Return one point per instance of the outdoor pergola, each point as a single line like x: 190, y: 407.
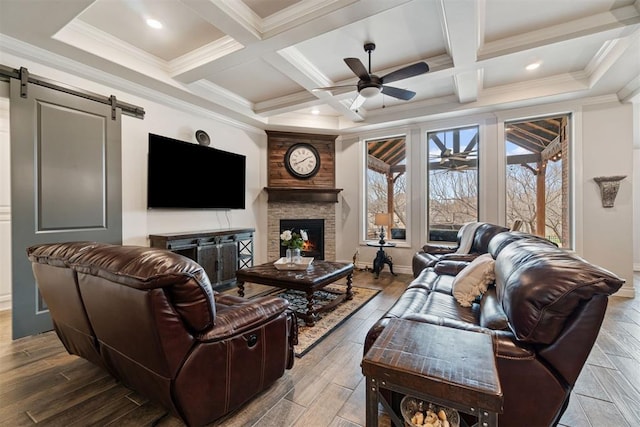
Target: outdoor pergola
x: 544, y: 140
x: 386, y: 156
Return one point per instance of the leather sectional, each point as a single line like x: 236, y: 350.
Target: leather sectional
x: 543, y: 313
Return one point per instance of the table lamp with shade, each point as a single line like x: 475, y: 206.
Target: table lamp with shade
x: 382, y: 219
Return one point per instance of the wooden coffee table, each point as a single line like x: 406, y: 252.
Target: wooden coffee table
x: 319, y: 274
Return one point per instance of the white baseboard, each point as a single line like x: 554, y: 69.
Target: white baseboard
x: 626, y: 291
x: 401, y: 269
x: 5, y: 302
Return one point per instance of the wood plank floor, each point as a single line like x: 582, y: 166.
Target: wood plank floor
x: 41, y: 384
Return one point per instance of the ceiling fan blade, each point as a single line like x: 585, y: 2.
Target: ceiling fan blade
x: 358, y: 68
x: 406, y: 72
x: 398, y: 93
x: 357, y: 102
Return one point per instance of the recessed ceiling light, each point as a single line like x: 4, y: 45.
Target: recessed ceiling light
x: 315, y: 111
x: 154, y: 23
x: 533, y: 66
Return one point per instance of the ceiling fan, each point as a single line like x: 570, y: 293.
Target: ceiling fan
x: 447, y: 155
x: 370, y: 84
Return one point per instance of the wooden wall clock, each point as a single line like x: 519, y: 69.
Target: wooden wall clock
x: 302, y: 160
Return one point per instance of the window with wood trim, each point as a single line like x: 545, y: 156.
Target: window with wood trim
x: 386, y: 183
x: 452, y: 167
x: 538, y: 179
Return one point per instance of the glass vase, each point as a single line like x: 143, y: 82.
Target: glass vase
x: 293, y: 256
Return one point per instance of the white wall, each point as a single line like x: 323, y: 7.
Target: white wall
x: 138, y: 223
x: 607, y: 149
x: 161, y: 119
x: 603, y: 133
x: 636, y: 181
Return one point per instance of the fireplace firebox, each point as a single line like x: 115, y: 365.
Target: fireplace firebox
x: 314, y: 247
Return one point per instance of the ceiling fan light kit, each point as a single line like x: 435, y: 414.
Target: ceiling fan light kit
x: 369, y: 89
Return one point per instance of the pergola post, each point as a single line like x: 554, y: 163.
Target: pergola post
x: 390, y: 199
x: 541, y: 194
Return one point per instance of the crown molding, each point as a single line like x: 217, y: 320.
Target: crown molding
x: 243, y: 15
x: 294, y: 57
x: 219, y: 95
x: 90, y: 39
x: 618, y: 19
x: 202, y: 55
x: 81, y: 70
x: 631, y: 91
x: 299, y: 13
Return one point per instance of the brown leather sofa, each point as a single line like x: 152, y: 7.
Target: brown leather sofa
x: 431, y: 253
x: 151, y: 318
x: 544, y: 314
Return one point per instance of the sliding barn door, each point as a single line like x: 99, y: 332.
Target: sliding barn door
x: 66, y: 185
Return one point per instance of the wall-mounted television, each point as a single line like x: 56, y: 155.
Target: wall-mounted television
x: 183, y: 175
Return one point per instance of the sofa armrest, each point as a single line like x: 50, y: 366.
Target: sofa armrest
x: 234, y: 315
x: 492, y: 316
x: 450, y: 268
x: 438, y: 249
x: 459, y: 257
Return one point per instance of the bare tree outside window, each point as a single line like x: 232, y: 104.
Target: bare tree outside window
x: 387, y: 186
x: 537, y: 181
x: 453, y: 181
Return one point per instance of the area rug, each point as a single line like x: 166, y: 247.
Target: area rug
x: 308, y: 336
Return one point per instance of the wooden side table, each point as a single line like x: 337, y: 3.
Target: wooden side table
x: 447, y: 366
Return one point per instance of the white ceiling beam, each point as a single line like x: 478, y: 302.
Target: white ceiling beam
x: 298, y: 68
x: 631, y: 91
x: 460, y: 27
x: 233, y: 18
x: 466, y: 86
x: 624, y: 19
x: 321, y: 24
x: 607, y: 56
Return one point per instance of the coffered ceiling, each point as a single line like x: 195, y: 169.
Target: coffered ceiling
x: 260, y: 62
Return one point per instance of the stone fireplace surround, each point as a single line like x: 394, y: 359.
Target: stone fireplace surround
x: 301, y: 210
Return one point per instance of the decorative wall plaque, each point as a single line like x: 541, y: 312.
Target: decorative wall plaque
x: 609, y: 186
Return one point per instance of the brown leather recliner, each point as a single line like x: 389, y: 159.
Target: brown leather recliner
x: 544, y: 314
x: 431, y: 253
x: 151, y: 318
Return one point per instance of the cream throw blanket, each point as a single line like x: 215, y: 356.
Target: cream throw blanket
x: 468, y: 233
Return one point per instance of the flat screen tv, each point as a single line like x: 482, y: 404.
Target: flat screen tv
x: 183, y: 175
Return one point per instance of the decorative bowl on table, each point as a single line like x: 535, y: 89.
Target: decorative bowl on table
x: 303, y: 264
x: 418, y: 413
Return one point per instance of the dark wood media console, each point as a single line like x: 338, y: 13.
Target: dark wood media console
x: 220, y: 252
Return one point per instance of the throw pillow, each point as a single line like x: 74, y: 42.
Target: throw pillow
x: 473, y: 280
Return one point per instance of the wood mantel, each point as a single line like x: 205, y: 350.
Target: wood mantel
x: 303, y: 194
